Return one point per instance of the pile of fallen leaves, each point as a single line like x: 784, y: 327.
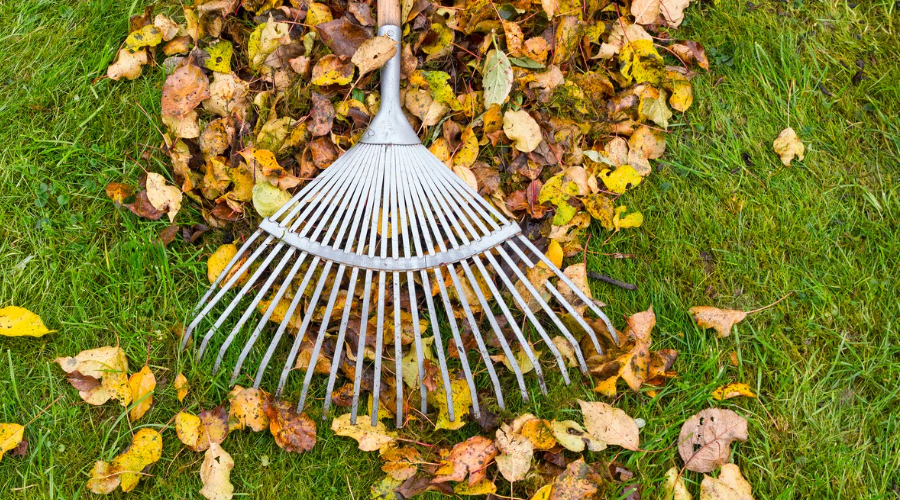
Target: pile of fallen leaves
x: 551, y: 109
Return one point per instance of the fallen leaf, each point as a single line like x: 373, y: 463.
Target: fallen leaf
x: 183, y: 90
x: 373, y: 54
x: 400, y: 463
x: 732, y: 391
x: 620, y: 179
x: 720, y: 319
x: 10, y: 437
x: 462, y: 400
x: 523, y: 129
x: 788, y: 146
x: 247, y: 409
x: 384, y: 489
x: 188, y: 428
x: 20, y: 322
x: 537, y: 430
x: 483, y: 487
x: 148, y: 36
x: 107, y: 364
x: 498, y: 78
x: 215, y: 473
x: 163, y: 198
x: 369, y: 438
x: 610, y: 425
x: 103, y: 479
x: 128, y: 65
x: 516, y: 452
x: 330, y: 70
x: 730, y: 485
x: 674, y: 486
x: 219, y: 259
x: 577, y: 482
x: 293, y: 432
x: 705, y: 439
x: 145, y: 450
x: 572, y: 436
x: 543, y: 493
x: 267, y: 199
x: 141, y: 385
x: 181, y: 387
x: 469, y: 458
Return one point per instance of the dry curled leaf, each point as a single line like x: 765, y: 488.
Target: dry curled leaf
x: 788, y: 146
x: 734, y: 390
x: 720, y: 319
x: 705, y: 439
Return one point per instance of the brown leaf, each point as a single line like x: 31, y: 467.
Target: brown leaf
x: 321, y: 116
x: 82, y: 382
x: 373, y: 53
x: 292, y: 432
x: 362, y: 12
x: 247, y: 409
x: 342, y: 37
x: 143, y: 208
x: 168, y: 234
x: 720, y: 319
x: 323, y: 151
x: 705, y: 439
x: 578, y: 482
x: 730, y: 485
x: 184, y: 89
x: 469, y: 458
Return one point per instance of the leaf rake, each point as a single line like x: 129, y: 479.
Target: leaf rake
x: 390, y: 215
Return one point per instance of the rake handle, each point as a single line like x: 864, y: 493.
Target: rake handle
x: 388, y: 13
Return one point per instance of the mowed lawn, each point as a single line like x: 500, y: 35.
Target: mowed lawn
x: 726, y: 224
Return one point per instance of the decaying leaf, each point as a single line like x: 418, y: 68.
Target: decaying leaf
x: 215, y: 472
x: 523, y: 129
x: 610, y: 425
x: 292, y: 431
x: 730, y: 485
x: 720, y: 319
x: 127, y: 469
x: 20, y: 322
x: 462, y: 400
x: 788, y: 146
x: 165, y: 198
x: 578, y: 481
x: 705, y: 439
x: 267, y: 199
x: 571, y: 436
x: 128, y: 65
x: 181, y: 387
x: 469, y: 458
x: 247, y: 409
x: 516, y: 452
x: 369, y: 438
x: 674, y: 486
x: 373, y: 53
x: 184, y: 89
x: 106, y: 364
x: 734, y: 390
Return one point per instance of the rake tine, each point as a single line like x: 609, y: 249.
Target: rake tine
x: 221, y: 293
x: 379, y: 346
x: 321, y: 337
x: 395, y: 253
x: 285, y: 321
x: 467, y: 372
x: 285, y: 285
x: 253, y: 304
x: 361, y: 346
x: 565, y: 279
x: 339, y: 345
x: 321, y: 182
x: 234, y: 260
x: 406, y: 224
x: 301, y: 332
x: 578, y: 319
x: 237, y: 298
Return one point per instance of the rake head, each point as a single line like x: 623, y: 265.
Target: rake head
x: 388, y: 232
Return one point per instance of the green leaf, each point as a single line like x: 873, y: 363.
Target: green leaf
x: 525, y: 62
x: 498, y: 78
x: 219, y: 56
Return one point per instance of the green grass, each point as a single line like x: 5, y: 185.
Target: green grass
x: 726, y: 225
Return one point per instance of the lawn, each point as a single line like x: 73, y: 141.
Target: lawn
x: 726, y: 225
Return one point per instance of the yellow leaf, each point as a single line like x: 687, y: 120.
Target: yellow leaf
x: 734, y: 390
x: 188, y: 428
x: 543, y: 493
x: 720, y: 319
x: 572, y: 436
x: 539, y: 432
x: 466, y: 175
x: 181, y: 387
x: 634, y: 219
x: 218, y: 260
x: 468, y: 153
x: 610, y: 425
x: 267, y: 199
x: 788, y: 146
x: 219, y: 56
x: 442, y: 40
x: 483, y: 487
x: 640, y: 61
x: 107, y: 364
x: 318, y: 13
x: 128, y: 65
x: 103, y: 479
x: 10, y: 437
x: 554, y: 253
x: 246, y: 409
x: 384, y: 489
x: 521, y: 128
x: 730, y: 485
x: 20, y: 322
x: 141, y: 385
x: 148, y: 36
x: 674, y: 486
x: 620, y: 179
x: 369, y: 438
x: 330, y: 70
x: 145, y: 449
x: 462, y: 400
x: 440, y: 148
x: 215, y: 472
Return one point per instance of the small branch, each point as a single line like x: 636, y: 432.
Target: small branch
x: 612, y: 281
x: 770, y: 305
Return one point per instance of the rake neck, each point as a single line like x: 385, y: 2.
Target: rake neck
x: 390, y: 125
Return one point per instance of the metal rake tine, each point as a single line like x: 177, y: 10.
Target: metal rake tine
x: 565, y: 279
x: 253, y: 304
x: 237, y: 298
x: 326, y: 319
x: 282, y: 327
x: 222, y: 291
x: 379, y: 346
x: 434, y: 194
x: 395, y: 253
x: 234, y: 260
x: 578, y: 319
x: 339, y: 345
x: 495, y: 219
x: 321, y: 181
x: 410, y: 225
x: 301, y: 332
x: 282, y: 290
x: 523, y: 304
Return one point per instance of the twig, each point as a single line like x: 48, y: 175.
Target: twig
x: 42, y: 411
x: 612, y: 281
x: 770, y: 305
x: 352, y: 496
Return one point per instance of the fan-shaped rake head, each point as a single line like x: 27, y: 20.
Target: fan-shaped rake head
x: 389, y: 235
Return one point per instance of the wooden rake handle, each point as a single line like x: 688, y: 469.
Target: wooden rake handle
x: 388, y: 12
